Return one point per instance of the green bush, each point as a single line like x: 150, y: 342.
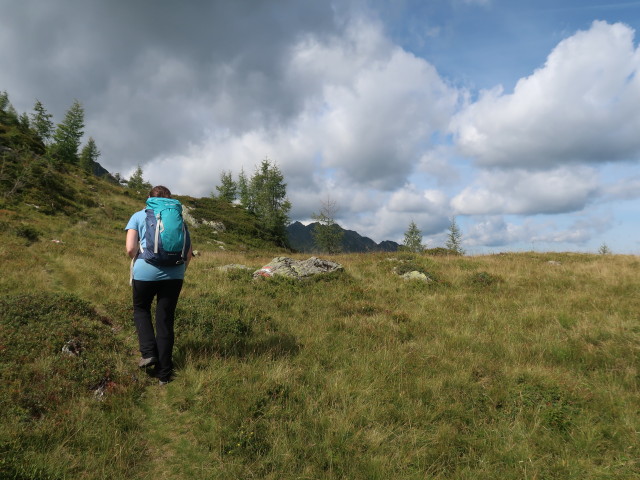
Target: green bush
x: 29, y: 233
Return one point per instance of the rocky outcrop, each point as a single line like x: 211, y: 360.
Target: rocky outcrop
x: 217, y: 227
x: 298, y: 269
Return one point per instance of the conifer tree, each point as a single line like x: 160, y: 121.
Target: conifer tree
x: 327, y: 234
x: 454, y: 238
x: 66, y: 138
x: 604, y: 249
x: 4, y: 101
x: 413, y: 239
x: 23, y: 122
x: 268, y: 199
x: 41, y: 122
x: 137, y: 182
x: 89, y: 155
x: 8, y: 114
x: 227, y: 189
x: 243, y: 191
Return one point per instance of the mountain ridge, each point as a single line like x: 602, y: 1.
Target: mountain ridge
x: 301, y: 239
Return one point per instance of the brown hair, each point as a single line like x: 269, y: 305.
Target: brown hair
x: 160, y: 191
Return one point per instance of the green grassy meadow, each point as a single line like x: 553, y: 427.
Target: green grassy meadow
x: 504, y: 367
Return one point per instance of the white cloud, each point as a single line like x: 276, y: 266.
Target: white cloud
x: 370, y: 109
x: 411, y: 200
x: 438, y: 165
x: 581, y: 106
x: 496, y: 231
x: 375, y: 107
x: 525, y: 193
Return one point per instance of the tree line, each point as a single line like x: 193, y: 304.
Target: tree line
x: 37, y: 132
x: 263, y: 194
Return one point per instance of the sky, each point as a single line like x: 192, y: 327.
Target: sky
x: 520, y: 119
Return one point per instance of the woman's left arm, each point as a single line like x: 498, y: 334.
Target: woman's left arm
x: 132, y: 242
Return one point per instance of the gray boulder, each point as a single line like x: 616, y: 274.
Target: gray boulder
x: 298, y: 269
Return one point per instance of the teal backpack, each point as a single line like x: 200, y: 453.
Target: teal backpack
x: 166, y: 237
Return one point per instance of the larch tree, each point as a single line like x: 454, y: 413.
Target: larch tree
x: 243, y: 191
x: 137, y: 182
x: 66, y: 139
x: 89, y: 155
x: 413, y: 239
x: 268, y: 199
x: 41, y: 122
x: 327, y: 234
x: 228, y: 189
x: 454, y: 238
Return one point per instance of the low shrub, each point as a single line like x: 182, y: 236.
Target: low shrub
x: 29, y: 233
x: 441, y: 252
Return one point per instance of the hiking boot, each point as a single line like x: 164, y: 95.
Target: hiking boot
x: 147, y: 362
x: 164, y: 382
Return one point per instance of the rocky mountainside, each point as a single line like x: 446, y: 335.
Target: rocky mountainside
x: 301, y: 239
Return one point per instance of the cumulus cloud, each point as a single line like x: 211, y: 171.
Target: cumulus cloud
x: 370, y: 108
x: 156, y: 77
x: 188, y: 89
x: 581, y: 106
x: 497, y: 231
x: 525, y: 193
x: 210, y: 84
x: 428, y: 208
x: 375, y: 125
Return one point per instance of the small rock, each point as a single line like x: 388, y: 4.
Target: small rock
x: 217, y: 227
x: 102, y: 387
x: 415, y: 275
x: 72, y: 348
x: 553, y: 262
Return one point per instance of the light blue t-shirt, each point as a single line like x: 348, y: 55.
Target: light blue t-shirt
x: 145, y: 271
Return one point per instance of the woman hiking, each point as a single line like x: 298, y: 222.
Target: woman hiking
x: 157, y: 271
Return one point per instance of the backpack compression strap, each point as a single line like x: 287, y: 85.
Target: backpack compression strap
x: 184, y: 242
x: 159, y: 229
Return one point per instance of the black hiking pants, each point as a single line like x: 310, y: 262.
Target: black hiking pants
x: 159, y: 342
